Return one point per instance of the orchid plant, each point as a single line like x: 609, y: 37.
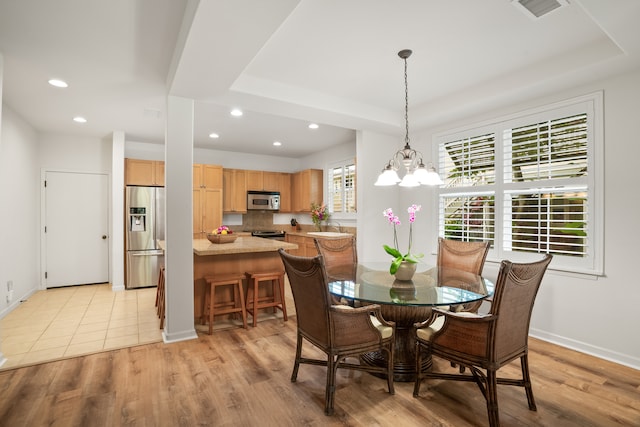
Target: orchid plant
x: 395, y: 251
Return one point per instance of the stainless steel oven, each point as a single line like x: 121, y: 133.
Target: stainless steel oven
x: 276, y: 235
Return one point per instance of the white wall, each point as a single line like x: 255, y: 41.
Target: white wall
x: 20, y: 213
x: 590, y: 314
x: 75, y: 153
x: 147, y: 151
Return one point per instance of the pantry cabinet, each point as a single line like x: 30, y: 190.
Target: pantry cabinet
x: 234, y: 190
x: 144, y: 172
x: 207, y: 198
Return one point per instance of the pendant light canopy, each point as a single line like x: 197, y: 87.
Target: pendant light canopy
x: 416, y: 172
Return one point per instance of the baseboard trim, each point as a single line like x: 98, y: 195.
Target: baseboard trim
x: 179, y: 336
x: 8, y: 309
x: 599, y: 352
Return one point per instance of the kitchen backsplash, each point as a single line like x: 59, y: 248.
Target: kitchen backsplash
x: 264, y: 221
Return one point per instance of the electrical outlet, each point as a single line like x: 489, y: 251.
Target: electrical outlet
x: 10, y: 285
x: 10, y: 296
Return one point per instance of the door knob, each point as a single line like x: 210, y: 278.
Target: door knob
x: 104, y: 236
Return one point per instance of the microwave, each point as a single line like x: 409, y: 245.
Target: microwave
x: 263, y: 201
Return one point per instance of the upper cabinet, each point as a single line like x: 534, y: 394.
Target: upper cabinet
x: 306, y: 188
x: 284, y: 184
x: 207, y: 176
x: 234, y: 190
x: 144, y: 172
x: 263, y: 181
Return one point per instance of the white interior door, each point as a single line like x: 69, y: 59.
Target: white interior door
x: 76, y: 229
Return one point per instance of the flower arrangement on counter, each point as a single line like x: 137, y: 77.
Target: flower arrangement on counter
x: 223, y: 229
x: 395, y: 251
x: 319, y: 213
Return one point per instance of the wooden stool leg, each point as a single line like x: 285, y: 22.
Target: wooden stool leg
x: 240, y: 298
x: 161, y: 297
x: 212, y: 293
x: 256, y: 298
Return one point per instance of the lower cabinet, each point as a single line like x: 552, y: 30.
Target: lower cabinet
x: 306, y: 245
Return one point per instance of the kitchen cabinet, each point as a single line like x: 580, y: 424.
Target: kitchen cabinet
x: 272, y: 181
x: 284, y: 185
x: 144, y: 172
x: 263, y: 181
x: 306, y: 245
x: 306, y: 188
x: 234, y: 191
x: 207, y: 198
x: 207, y: 176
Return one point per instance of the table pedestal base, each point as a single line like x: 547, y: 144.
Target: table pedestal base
x: 404, y: 369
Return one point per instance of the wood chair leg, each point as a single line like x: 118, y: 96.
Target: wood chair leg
x: 296, y: 364
x: 331, y: 385
x: 492, y: 399
x: 524, y: 363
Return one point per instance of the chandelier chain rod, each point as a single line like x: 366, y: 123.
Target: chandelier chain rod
x: 406, y: 105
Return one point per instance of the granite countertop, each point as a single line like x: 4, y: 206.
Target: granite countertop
x: 243, y: 244
x: 321, y: 235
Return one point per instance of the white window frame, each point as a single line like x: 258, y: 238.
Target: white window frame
x: 329, y: 188
x: 592, y: 105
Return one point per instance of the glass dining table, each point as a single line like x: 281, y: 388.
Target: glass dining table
x: 406, y: 302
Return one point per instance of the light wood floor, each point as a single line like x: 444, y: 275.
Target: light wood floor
x: 70, y: 321
x: 240, y: 377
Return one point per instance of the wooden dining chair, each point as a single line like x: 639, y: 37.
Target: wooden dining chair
x: 465, y: 256
x: 484, y: 343
x: 339, y: 331
x: 340, y: 257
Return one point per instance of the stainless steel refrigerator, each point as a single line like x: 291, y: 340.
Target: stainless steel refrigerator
x: 144, y: 216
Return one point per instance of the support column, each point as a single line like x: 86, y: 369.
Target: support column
x: 179, y: 324
x: 116, y: 238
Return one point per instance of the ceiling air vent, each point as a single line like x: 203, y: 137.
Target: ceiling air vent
x: 538, y: 8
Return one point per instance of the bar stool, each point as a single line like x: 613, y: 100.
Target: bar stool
x: 276, y: 300
x: 215, y: 308
x: 160, y: 298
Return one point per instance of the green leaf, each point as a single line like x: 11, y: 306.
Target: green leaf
x: 395, y: 264
x: 392, y: 251
x: 414, y: 258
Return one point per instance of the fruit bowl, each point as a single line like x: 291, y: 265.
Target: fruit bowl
x: 221, y: 238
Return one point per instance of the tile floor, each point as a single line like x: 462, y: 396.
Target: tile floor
x: 64, y: 322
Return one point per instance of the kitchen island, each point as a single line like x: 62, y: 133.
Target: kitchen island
x: 247, y: 253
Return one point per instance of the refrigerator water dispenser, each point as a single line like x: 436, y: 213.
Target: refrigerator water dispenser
x: 137, y: 219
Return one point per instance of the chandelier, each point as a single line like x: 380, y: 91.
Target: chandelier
x: 416, y: 172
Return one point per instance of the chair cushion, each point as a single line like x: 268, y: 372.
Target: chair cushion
x: 385, y: 331
x: 425, y: 334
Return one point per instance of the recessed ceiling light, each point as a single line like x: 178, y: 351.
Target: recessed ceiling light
x: 58, y: 83
x: 313, y: 126
x: 277, y: 143
x: 79, y: 119
x: 214, y: 136
x: 236, y: 112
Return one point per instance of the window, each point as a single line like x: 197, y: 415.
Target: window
x: 342, y: 187
x: 529, y: 183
